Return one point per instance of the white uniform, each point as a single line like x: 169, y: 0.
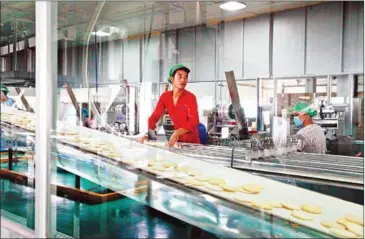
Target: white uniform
x: 312, y: 139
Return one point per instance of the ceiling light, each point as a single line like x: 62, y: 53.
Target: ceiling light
x: 232, y: 6
x: 101, y: 33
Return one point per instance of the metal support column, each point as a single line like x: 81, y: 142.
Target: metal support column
x: 77, y: 181
x: 349, y: 118
x: 258, y: 113
x: 46, y: 30
x: 329, y: 89
x: 275, y: 103
x: 15, y: 43
x: 10, y: 159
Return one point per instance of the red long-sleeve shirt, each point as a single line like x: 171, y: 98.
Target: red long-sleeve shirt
x: 184, y: 114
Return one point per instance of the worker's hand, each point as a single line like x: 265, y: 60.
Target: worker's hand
x: 173, y: 139
x: 142, y: 139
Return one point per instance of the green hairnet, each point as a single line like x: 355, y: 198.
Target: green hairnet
x: 304, y: 107
x: 4, y: 89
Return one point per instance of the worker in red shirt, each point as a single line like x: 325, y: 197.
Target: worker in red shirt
x: 181, y: 106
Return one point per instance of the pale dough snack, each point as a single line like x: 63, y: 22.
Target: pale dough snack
x: 355, y: 228
x: 158, y: 168
x: 132, y: 162
x: 342, y: 233
x: 253, y: 188
x: 213, y: 187
x: 181, y: 169
x: 354, y: 219
x: 189, y: 170
x: 342, y: 221
x: 228, y: 188
x: 264, y: 206
x: 193, y: 172
x: 302, y: 215
x: 169, y: 165
x: 290, y: 206
x: 242, y: 190
x: 217, y: 181
x: 152, y: 163
x: 276, y: 204
x: 75, y: 139
x: 329, y: 224
x: 314, y: 209
x: 194, y: 182
x: 201, y: 178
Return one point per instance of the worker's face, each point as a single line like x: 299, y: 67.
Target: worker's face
x: 301, y: 116
x: 180, y: 79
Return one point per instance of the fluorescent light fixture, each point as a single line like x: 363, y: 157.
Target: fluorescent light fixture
x: 101, y: 33
x: 232, y: 6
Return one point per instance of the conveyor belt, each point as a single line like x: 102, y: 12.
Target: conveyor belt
x: 220, y: 216
x: 348, y: 171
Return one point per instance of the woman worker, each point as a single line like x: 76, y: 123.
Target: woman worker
x: 181, y: 106
x: 4, y: 97
x: 311, y: 135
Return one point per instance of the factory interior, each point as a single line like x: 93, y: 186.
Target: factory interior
x: 234, y: 154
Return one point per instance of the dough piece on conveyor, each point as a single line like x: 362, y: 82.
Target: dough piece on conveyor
x: 355, y: 228
x: 314, y: 209
x: 242, y: 190
x: 169, y: 164
x: 342, y: 233
x: 213, y: 187
x: 342, y: 221
x: 217, y: 181
x: 265, y: 206
x: 193, y: 172
x: 152, y: 163
x: 228, y: 188
x: 252, y: 188
x: 202, y: 178
x: 276, y: 204
x: 354, y: 219
x: 302, y: 215
x: 132, y: 161
x: 330, y: 224
x: 181, y: 169
x: 159, y: 168
x: 290, y: 206
x: 194, y: 182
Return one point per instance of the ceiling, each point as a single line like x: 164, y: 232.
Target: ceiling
x: 134, y: 18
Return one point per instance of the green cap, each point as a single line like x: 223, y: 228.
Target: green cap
x: 4, y: 89
x: 304, y: 108
x: 175, y: 68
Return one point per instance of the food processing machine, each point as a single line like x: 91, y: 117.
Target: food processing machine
x: 332, y: 118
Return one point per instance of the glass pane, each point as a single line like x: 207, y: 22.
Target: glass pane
x: 17, y: 66
x: 113, y: 62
